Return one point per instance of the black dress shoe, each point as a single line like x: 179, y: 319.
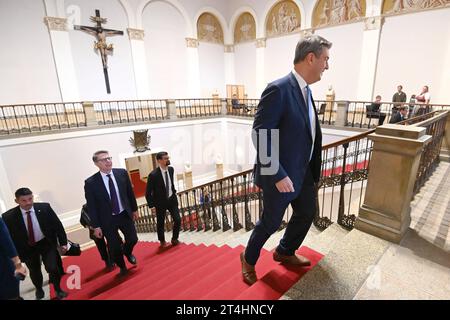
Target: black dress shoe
x: 60, y: 294
x: 131, y: 259
x: 123, y: 271
x: 40, y: 294
x: 175, y: 242
x: 109, y: 265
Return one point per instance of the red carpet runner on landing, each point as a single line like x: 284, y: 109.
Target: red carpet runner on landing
x: 184, y: 272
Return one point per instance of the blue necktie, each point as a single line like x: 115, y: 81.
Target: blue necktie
x: 113, y: 195
x: 167, y: 185
x: 311, y: 115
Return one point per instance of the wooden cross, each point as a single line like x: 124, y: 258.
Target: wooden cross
x: 100, y: 45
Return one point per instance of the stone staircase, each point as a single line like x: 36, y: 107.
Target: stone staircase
x: 430, y: 208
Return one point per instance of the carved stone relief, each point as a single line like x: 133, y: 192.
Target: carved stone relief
x: 209, y: 29
x: 332, y: 12
x: 397, y: 6
x: 245, y: 29
x: 284, y: 18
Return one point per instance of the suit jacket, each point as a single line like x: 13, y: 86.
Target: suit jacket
x: 397, y: 117
x: 156, y: 189
x: 399, y: 97
x: 49, y: 222
x: 283, y: 107
x: 99, y: 202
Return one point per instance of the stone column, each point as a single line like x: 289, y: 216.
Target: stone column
x: 224, y: 110
x: 91, y: 119
x: 219, y: 170
x: 193, y: 68
x: 445, y: 148
x: 330, y: 96
x: 342, y: 113
x: 188, y: 179
x: 369, y: 58
x: 171, y: 109
x: 139, y: 63
x: 393, y: 168
x: 230, y: 76
x: 62, y: 54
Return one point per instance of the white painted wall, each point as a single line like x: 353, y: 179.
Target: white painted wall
x: 245, y: 67
x: 414, y: 50
x: 88, y: 64
x: 166, y: 51
x: 279, y: 57
x: 27, y: 69
x: 345, y: 56
x: 212, y: 71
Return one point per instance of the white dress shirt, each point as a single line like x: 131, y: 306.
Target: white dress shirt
x: 38, y: 235
x: 163, y: 172
x: 312, y: 117
x: 106, y: 183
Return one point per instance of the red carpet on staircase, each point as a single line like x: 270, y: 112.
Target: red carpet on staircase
x: 183, y: 272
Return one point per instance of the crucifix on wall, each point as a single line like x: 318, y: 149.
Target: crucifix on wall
x: 100, y: 45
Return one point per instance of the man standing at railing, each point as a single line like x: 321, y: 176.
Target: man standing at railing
x: 288, y: 140
x: 161, y: 197
x: 112, y: 207
x: 398, y: 98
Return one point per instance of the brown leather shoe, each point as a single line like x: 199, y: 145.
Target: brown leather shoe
x: 248, y: 271
x: 296, y: 260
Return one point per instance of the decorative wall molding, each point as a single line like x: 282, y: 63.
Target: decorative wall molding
x: 228, y: 48
x: 56, y: 24
x: 136, y: 34
x: 192, y: 43
x: 261, y: 43
x: 373, y: 23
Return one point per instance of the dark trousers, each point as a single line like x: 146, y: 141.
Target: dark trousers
x: 117, y: 249
x: 172, y: 207
x: 52, y: 261
x: 101, y: 246
x: 275, y: 204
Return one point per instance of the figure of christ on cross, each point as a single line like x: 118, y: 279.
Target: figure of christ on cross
x: 100, y: 33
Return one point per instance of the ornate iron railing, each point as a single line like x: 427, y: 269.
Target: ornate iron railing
x: 129, y: 111
x: 360, y: 114
x: 27, y: 118
x: 243, y: 107
x: 429, y: 159
x: 341, y: 187
x: 195, y: 108
x: 234, y: 202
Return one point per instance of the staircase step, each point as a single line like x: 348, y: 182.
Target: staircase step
x: 208, y: 283
x: 168, y: 278
x: 278, y: 280
x: 342, y: 271
x: 106, y: 281
x: 165, y: 263
x: 216, y: 263
x: 154, y: 273
x: 227, y: 290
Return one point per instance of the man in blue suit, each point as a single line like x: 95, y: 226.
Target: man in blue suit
x: 112, y: 207
x: 288, y: 141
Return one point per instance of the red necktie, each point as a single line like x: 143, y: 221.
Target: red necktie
x: 31, y: 240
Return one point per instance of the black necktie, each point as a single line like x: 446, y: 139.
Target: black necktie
x: 113, y: 195
x: 167, y: 184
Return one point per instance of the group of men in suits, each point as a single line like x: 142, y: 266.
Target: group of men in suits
x: 38, y: 234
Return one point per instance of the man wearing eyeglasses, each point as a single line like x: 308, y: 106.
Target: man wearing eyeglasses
x: 112, y: 207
